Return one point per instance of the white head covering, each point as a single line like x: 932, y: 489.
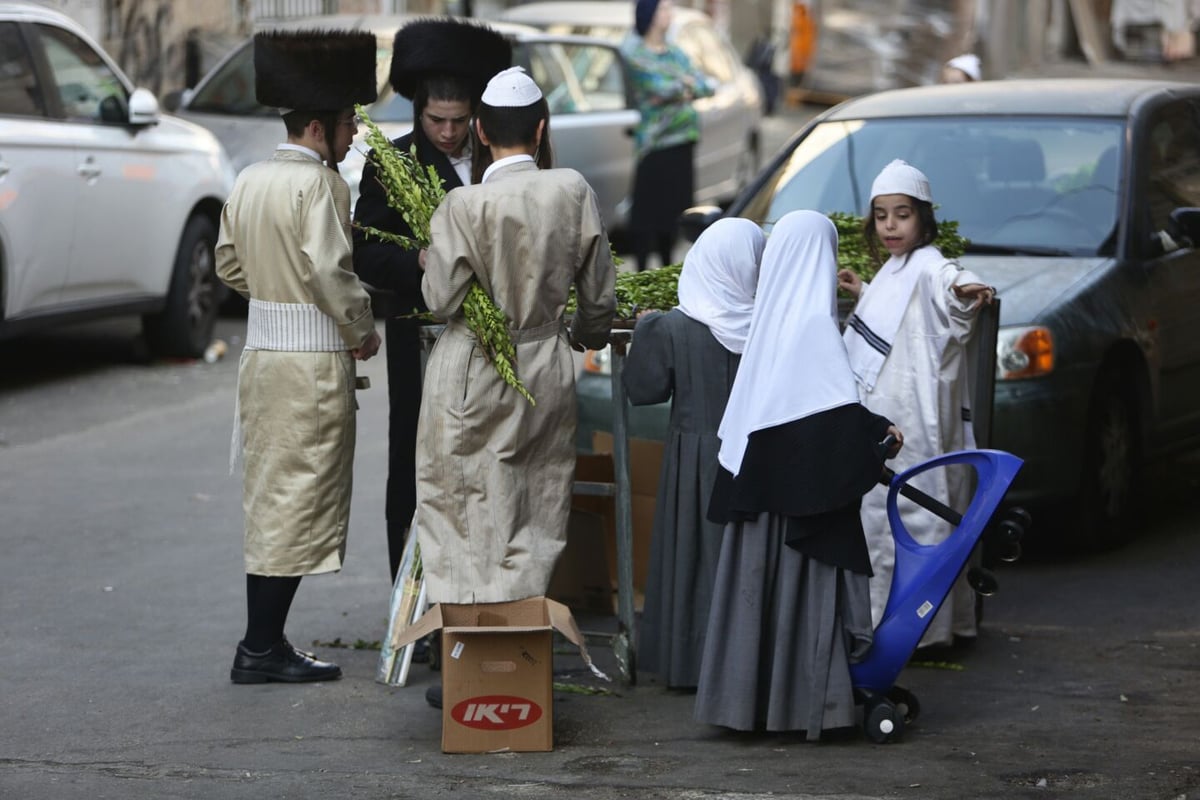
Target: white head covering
x: 720, y: 273
x: 969, y: 64
x: 900, y: 177
x: 795, y: 364
x: 511, y: 88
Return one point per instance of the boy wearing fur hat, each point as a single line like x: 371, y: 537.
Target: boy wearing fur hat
x: 285, y: 245
x: 442, y: 66
x: 494, y: 472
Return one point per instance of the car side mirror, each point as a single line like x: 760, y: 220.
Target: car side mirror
x: 1185, y: 224
x: 143, y: 108
x: 694, y: 221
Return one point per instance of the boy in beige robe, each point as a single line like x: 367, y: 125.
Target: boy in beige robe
x: 285, y: 244
x: 495, y: 473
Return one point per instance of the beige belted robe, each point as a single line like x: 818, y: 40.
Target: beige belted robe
x: 494, y: 473
x: 285, y: 244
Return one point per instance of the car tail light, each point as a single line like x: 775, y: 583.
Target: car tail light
x: 1024, y: 353
x: 598, y: 361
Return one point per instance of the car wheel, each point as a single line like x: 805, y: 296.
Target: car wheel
x: 185, y: 325
x: 1112, y: 454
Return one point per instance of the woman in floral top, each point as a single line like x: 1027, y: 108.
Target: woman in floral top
x: 665, y: 83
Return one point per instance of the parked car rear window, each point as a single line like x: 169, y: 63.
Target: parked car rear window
x: 231, y: 89
x: 1172, y: 161
x: 19, y: 92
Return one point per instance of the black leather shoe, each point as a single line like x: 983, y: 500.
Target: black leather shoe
x: 433, y: 696
x: 282, y: 663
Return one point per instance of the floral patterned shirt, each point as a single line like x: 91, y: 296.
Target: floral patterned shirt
x: 664, y: 85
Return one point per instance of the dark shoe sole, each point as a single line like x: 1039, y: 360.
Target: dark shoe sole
x: 244, y: 676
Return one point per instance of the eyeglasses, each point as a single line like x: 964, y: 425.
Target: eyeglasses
x: 352, y: 121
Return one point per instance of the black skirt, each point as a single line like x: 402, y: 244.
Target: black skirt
x: 813, y: 471
x: 663, y: 188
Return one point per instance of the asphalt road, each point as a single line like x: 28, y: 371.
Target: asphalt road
x: 121, y: 599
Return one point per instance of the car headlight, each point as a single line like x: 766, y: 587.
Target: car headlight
x: 1026, y: 352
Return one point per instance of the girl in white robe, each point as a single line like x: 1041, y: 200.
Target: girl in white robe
x: 907, y: 341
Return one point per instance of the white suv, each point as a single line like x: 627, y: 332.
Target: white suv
x: 108, y: 206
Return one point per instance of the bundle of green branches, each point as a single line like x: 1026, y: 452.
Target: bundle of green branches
x: 852, y: 244
x: 659, y: 288
x: 415, y: 191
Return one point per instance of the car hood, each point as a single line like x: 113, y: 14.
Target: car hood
x: 1029, y: 286
x: 186, y: 134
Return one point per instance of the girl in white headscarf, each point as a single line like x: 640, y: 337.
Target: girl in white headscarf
x: 907, y: 339
x: 790, y: 607
x: 689, y: 355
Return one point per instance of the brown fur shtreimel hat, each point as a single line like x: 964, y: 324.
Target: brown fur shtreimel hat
x: 467, y: 50
x: 314, y: 70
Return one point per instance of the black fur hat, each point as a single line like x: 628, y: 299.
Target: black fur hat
x: 465, y: 50
x: 314, y: 70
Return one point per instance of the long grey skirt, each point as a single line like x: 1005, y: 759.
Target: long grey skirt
x: 782, y: 631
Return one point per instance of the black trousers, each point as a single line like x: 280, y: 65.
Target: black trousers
x: 404, y: 406
x: 663, y: 189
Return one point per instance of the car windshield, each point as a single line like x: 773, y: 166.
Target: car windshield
x: 1022, y: 185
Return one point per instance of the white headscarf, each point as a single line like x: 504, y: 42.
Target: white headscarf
x: 795, y: 364
x: 718, y: 280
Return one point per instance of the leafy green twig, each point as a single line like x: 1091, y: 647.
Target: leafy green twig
x: 415, y: 192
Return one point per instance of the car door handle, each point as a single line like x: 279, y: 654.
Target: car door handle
x: 4, y: 168
x: 88, y: 169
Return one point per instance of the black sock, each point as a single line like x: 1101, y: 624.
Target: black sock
x: 268, y: 600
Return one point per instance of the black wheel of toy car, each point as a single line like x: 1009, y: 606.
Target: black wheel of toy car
x: 1108, y: 492
x: 907, y: 705
x: 185, y: 325
x: 882, y: 722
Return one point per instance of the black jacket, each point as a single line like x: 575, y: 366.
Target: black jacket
x: 384, y: 265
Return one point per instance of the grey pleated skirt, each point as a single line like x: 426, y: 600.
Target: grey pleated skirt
x: 782, y: 631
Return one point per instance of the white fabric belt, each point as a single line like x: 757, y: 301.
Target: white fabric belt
x: 294, y: 327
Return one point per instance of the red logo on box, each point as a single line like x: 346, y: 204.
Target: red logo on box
x: 496, y: 712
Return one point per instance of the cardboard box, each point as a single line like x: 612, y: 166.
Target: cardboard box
x: 581, y: 577
x: 645, y: 465
x: 497, y: 672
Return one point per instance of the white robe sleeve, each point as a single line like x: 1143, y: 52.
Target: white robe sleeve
x: 947, y: 313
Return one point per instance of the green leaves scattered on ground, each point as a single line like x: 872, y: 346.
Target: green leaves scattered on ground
x: 947, y: 665
x: 579, y: 688
x: 338, y: 644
